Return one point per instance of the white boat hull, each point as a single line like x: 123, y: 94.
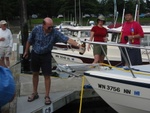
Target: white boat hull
x: 71, y: 56
x: 123, y: 93
x: 130, y: 103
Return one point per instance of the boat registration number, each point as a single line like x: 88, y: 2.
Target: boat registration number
x: 109, y: 87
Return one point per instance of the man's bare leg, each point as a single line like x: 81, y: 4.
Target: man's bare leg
x: 35, y: 81
x: 47, y: 89
x: 47, y: 85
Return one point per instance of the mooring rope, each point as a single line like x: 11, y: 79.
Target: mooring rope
x: 82, y: 90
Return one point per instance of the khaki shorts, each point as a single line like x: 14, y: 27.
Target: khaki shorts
x: 97, y: 50
x: 5, y: 51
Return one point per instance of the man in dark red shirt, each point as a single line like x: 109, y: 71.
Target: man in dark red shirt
x: 131, y: 33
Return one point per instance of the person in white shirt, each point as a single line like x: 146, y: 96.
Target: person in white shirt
x: 6, y: 42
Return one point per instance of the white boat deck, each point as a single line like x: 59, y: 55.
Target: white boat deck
x: 139, y: 71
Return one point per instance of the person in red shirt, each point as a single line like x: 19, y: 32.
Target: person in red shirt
x: 131, y: 34
x: 99, y: 34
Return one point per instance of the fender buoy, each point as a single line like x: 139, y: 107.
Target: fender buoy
x: 7, y: 86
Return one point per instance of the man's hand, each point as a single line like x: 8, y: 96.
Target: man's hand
x: 129, y: 37
x: 81, y: 50
x: 105, y: 39
x: 25, y: 55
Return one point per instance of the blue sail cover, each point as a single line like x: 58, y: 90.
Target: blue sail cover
x: 7, y: 86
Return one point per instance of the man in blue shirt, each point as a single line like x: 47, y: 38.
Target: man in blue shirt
x: 42, y: 39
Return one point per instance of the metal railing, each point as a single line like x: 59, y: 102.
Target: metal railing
x: 121, y: 46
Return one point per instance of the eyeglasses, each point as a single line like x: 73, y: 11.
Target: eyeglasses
x: 50, y: 27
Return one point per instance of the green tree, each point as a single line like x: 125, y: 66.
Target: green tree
x: 87, y: 6
x: 8, y: 9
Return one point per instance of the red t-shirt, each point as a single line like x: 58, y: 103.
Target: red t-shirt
x: 99, y: 33
x: 131, y: 28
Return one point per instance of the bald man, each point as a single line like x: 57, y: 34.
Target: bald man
x: 42, y: 39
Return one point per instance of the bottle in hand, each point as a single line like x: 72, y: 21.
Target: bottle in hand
x: 82, y: 48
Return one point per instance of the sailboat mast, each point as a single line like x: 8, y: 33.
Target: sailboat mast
x: 123, y: 13
x: 115, y: 13
x: 138, y: 11
x: 79, y: 13
x: 75, y: 13
x: 136, y: 16
x: 115, y: 10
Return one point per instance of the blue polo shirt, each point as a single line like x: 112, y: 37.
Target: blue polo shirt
x: 43, y: 43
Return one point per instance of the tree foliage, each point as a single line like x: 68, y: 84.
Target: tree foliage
x: 10, y: 9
